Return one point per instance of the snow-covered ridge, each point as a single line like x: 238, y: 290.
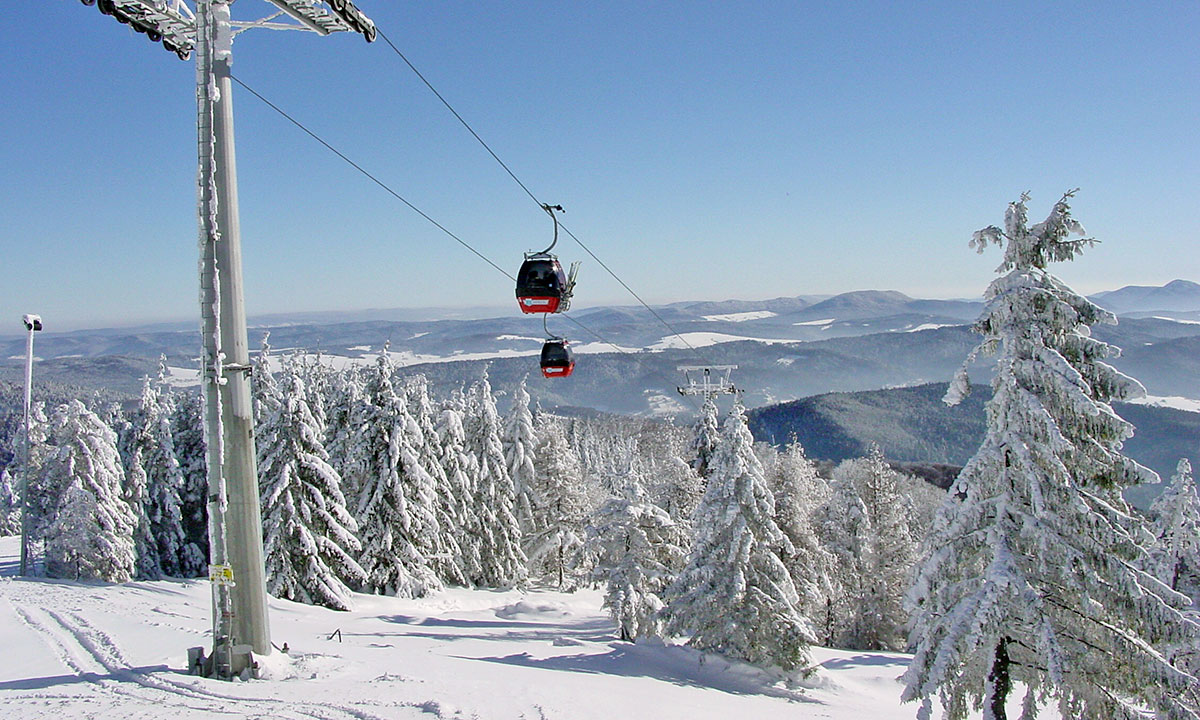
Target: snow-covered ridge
x: 1173, y: 401
x: 704, y: 339
x: 741, y: 317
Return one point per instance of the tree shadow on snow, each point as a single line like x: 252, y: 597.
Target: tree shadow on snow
x: 669, y: 663
x: 866, y: 660
x: 591, y: 630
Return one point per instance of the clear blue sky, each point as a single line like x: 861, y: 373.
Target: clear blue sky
x: 704, y: 150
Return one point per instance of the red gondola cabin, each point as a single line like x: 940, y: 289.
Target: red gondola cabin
x: 541, y: 284
x: 557, y: 359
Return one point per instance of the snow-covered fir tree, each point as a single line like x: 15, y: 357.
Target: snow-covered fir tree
x: 133, y: 438
x: 888, y: 553
x: 10, y: 504
x: 797, y: 487
x: 154, y: 475
x: 264, y: 389
x: 187, y: 435
x: 317, y: 380
x: 395, y: 509
x: 735, y: 596
x: 638, y: 549
x: 502, y: 563
x: 1176, y: 526
x: 165, y: 481
x: 843, y: 526
x: 520, y: 442
x: 442, y: 548
x: 706, y: 435
x: 345, y: 410
x: 90, y: 533
x: 1032, y: 573
x: 677, y: 488
x: 557, y: 529
x: 456, y: 505
x: 309, y: 541
x: 41, y: 500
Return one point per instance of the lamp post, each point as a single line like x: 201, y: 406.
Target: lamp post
x: 33, y: 323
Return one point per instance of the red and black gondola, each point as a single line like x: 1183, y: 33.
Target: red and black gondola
x: 541, y: 284
x: 558, y: 360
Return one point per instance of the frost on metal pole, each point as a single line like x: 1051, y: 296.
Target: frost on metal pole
x: 33, y: 323
x: 235, y: 527
x: 220, y: 661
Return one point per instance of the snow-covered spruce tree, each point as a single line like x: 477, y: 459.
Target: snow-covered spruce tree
x: 557, y: 530
x: 843, y: 526
x: 678, y: 489
x: 443, y: 549
x: 154, y: 476
x: 735, y: 596
x: 1032, y: 572
x: 501, y: 560
x: 520, y: 441
x: 264, y: 390
x: 395, y: 513
x: 10, y: 504
x: 42, y: 499
x: 797, y: 487
x: 133, y: 439
x: 1176, y: 526
x: 308, y: 535
x: 345, y: 409
x: 90, y: 533
x: 187, y: 435
x: 638, y: 548
x: 164, y: 480
x: 317, y: 380
x: 888, y: 553
x: 456, y: 505
x: 705, y: 437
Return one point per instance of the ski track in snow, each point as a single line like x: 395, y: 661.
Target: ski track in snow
x: 103, y: 674
x: 100, y: 650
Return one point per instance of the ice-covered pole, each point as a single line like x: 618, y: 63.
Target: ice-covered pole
x: 235, y: 526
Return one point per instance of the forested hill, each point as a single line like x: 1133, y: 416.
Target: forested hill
x: 911, y: 424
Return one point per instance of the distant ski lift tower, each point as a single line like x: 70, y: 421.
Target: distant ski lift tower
x: 708, y: 381
x: 235, y: 527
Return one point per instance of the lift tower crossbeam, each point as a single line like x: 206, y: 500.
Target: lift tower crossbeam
x: 707, y: 380
x: 235, y: 524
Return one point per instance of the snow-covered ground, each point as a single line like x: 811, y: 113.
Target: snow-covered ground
x: 84, y: 650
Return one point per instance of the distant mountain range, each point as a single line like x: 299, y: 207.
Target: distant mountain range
x: 785, y: 348
x: 1175, y: 296
x: 913, y: 424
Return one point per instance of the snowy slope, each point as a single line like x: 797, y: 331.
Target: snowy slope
x: 79, y: 650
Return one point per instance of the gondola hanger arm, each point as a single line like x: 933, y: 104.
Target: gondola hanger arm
x: 550, y: 210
